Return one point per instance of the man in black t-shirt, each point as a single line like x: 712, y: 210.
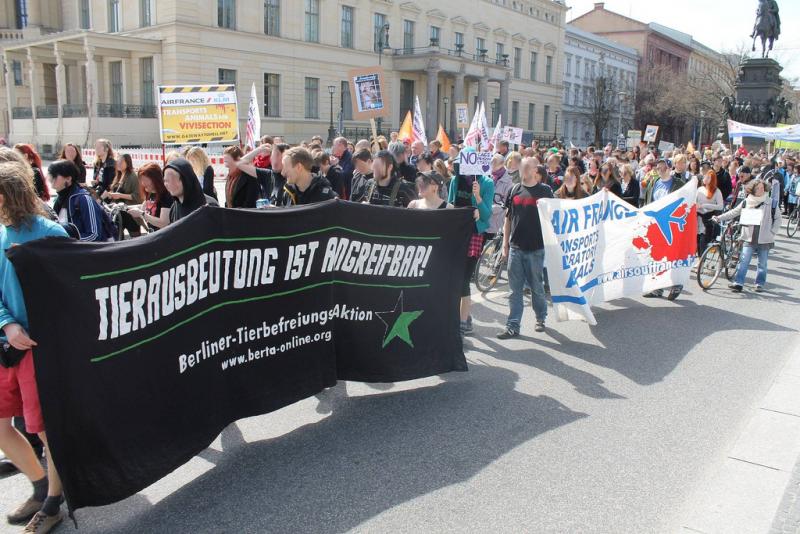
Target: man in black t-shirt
x: 386, y: 188
x: 523, y: 245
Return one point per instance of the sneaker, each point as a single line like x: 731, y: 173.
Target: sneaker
x: 674, y: 292
x: 7, y: 468
x: 654, y: 294
x: 759, y: 289
x: 539, y: 326
x: 43, y: 523
x: 24, y: 512
x: 507, y: 334
x: 735, y: 288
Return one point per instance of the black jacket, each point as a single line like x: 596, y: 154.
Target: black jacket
x: 208, y: 182
x: 724, y: 183
x: 246, y: 192
x: 407, y: 172
x: 631, y: 193
x: 104, y: 174
x: 319, y: 190
x: 193, y: 197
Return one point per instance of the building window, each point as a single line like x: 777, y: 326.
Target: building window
x: 548, y: 72
x: 514, y: 113
x: 271, y: 94
x: 226, y: 14
x: 146, y: 13
x: 576, y: 95
x: 226, y: 77
x: 531, y: 116
x: 85, y: 18
x: 459, y: 40
x: 272, y: 17
x: 480, y: 46
x: 146, y: 75
x: 436, y: 33
x: 408, y: 36
x: 113, y: 16
x: 566, y: 93
x: 406, y: 97
x: 534, y: 63
x: 116, y: 84
x: 499, y: 50
x: 347, y: 104
x: 517, y: 62
x: 378, y: 22
x: 312, y: 21
x: 546, y: 125
x: 16, y: 66
x: 312, y: 98
x: 21, y: 14
x: 568, y: 64
x: 566, y: 129
x: 577, y: 67
x: 347, y: 27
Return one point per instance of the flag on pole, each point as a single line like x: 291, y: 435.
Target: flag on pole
x: 473, y: 134
x: 253, y: 135
x: 406, y: 133
x: 495, y: 139
x: 418, y: 124
x: 484, y: 128
x: 441, y: 136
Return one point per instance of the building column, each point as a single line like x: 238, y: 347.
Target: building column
x: 458, y: 98
x: 11, y: 96
x: 483, y: 90
x: 432, y: 104
x: 61, y: 91
x: 504, y: 86
x: 91, y: 87
x: 33, y: 84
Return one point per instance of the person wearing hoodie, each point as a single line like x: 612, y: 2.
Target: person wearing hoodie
x: 303, y: 187
x: 75, y: 205
x: 757, y: 239
x: 182, y: 183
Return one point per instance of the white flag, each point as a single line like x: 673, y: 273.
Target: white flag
x: 418, y: 125
x: 253, y: 120
x: 496, y: 134
x: 484, y: 128
x: 473, y: 134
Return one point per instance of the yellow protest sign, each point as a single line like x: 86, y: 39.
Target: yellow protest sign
x: 193, y: 114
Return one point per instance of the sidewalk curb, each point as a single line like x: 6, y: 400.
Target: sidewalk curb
x: 745, y: 493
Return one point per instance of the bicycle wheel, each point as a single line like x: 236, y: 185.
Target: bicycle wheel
x: 732, y: 260
x: 710, y: 266
x: 793, y: 223
x: 486, y: 275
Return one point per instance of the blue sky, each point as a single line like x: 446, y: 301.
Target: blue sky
x: 723, y: 26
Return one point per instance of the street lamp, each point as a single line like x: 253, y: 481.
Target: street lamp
x: 446, y: 101
x: 700, y: 135
x: 555, y: 134
x: 620, y: 137
x: 331, y: 130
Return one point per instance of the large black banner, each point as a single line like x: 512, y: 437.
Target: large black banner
x: 148, y: 348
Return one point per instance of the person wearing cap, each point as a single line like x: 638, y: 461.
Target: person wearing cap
x: 656, y: 190
x: 429, y: 184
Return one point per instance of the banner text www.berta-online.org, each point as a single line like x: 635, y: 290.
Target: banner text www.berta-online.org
x: 132, y: 305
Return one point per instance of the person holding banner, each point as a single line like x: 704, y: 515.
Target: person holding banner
x: 302, y: 187
x: 523, y: 245
x: 22, y: 219
x: 386, y: 187
x: 709, y: 203
x: 476, y: 192
x: 407, y: 172
x: 629, y: 185
x: 241, y: 189
x: 182, y: 183
x: 362, y: 161
x: 428, y: 185
x: 202, y: 167
x: 759, y: 227
x: 571, y: 188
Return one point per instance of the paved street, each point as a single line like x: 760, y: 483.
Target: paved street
x: 605, y: 429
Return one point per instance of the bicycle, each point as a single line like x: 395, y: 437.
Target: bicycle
x: 721, y: 254
x: 490, y: 264
x: 793, y: 222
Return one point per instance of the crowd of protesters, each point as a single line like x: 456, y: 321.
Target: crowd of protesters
x: 382, y: 171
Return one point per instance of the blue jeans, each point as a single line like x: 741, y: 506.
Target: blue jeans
x: 744, y: 263
x: 525, y: 268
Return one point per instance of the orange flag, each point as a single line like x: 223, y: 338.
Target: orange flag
x: 443, y: 139
x: 406, y: 132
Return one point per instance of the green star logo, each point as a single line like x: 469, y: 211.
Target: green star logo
x: 397, y: 322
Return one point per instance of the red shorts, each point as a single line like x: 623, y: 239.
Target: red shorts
x: 19, y: 395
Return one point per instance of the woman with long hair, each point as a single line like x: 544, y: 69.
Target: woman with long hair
x: 125, y: 186
x: 104, y: 166
x: 72, y: 152
x: 608, y: 179
x: 203, y: 169
x: 441, y: 167
x: 154, y: 211
x: 629, y: 185
x: 35, y: 161
x: 571, y: 188
x: 241, y: 189
x: 709, y: 204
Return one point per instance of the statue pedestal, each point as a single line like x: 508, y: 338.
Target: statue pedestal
x: 759, y: 84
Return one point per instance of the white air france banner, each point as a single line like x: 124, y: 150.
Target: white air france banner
x: 601, y: 248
